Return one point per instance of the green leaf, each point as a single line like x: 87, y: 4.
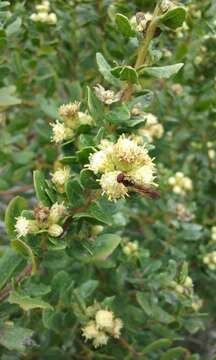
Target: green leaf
x: 75, y: 193
x: 8, y: 264
x: 96, y: 213
x: 162, y: 71
x: 143, y: 100
x: 118, y: 115
x: 14, y: 209
x: 173, y: 18
x: 129, y: 74
x: 158, y: 344
x: 87, y: 289
x: 105, y: 70
x: 88, y: 179
x: 94, y: 106
x: 174, y: 353
x: 103, y: 246
x: 15, y: 337
x: 24, y: 249
x: 183, y: 272
x: 14, y: 27
x: 26, y: 302
x: 153, y: 310
x: 7, y: 97
x: 40, y: 188
x: 124, y: 25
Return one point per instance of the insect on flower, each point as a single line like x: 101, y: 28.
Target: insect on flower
x: 131, y: 184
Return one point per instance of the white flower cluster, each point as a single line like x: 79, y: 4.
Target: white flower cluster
x: 185, y: 288
x: 101, y: 326
x: 213, y: 233
x: 106, y: 96
x: 153, y: 129
x: 180, y: 183
x: 45, y: 219
x: 177, y: 89
x: 210, y: 260
x: 43, y: 15
x: 122, y: 164
x: 131, y: 249
x: 72, y: 118
x: 60, y: 177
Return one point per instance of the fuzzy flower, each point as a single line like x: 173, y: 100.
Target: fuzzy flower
x: 55, y: 230
x: 131, y: 248
x: 43, y: 15
x: 101, y: 326
x: 60, y: 177
x: 177, y: 89
x: 85, y: 119
x: 185, y: 288
x: 60, y: 132
x: 180, y: 183
x: 111, y: 187
x: 57, y: 211
x: 143, y: 176
x: 127, y: 151
x: 116, y: 330
x: 43, y: 7
x: 104, y: 319
x: 106, y: 96
x: 210, y: 260
x: 124, y: 160
x: 100, y: 340
x: 152, y: 128
x: 22, y: 226
x: 90, y: 331
x: 69, y: 111
x: 101, y: 161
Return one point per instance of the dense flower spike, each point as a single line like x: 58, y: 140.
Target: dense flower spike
x: 60, y: 132
x: 60, y: 177
x: 126, y: 160
x: 101, y: 326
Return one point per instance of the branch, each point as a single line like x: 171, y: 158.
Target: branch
x: 16, y: 190
x: 143, y: 50
x: 24, y: 274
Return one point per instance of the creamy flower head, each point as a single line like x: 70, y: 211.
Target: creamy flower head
x: 60, y: 132
x: 43, y: 7
x: 101, y: 339
x: 111, y: 187
x: 61, y: 176
x: 153, y: 129
x: 104, y: 319
x: 90, y: 331
x: 106, y: 96
x: 117, y: 326
x: 180, y: 183
x: 57, y: 211
x: 128, y: 151
x: 166, y: 5
x: 143, y: 176
x: 100, y: 161
x: 131, y: 248
x: 22, y: 226
x: 69, y: 111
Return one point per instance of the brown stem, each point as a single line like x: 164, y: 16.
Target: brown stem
x: 16, y: 190
x: 24, y: 274
x: 130, y: 348
x: 143, y: 51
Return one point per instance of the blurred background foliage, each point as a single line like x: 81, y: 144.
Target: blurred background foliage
x: 43, y: 66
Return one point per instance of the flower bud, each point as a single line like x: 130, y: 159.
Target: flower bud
x: 55, y: 230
